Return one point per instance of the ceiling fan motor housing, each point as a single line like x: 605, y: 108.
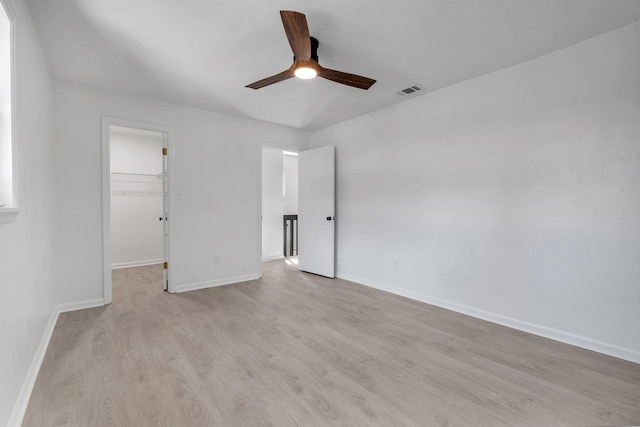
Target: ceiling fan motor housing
x: 314, y: 49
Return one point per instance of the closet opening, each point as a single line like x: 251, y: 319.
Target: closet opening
x: 135, y: 209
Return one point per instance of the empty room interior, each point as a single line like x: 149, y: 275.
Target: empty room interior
x: 362, y: 213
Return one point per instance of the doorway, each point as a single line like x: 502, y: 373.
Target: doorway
x: 135, y: 177
x: 279, y: 204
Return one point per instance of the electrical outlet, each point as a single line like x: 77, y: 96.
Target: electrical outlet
x: 396, y: 265
x: 216, y: 259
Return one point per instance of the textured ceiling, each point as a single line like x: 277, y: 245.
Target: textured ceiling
x: 203, y: 52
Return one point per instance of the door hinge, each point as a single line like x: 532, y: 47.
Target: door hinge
x: 166, y: 265
x: 164, y: 151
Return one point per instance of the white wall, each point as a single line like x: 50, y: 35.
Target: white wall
x: 290, y: 168
x: 26, y: 245
x: 136, y: 197
x: 513, y: 196
x: 272, y: 204
x: 215, y: 167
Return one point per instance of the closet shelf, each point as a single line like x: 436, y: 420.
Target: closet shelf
x: 127, y: 193
x: 156, y: 175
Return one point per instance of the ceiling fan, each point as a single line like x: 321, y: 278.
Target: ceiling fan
x: 305, y: 57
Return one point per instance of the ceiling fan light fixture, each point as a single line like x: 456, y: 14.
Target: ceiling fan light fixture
x: 305, y: 73
x: 305, y: 69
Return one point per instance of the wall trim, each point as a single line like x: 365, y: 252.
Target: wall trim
x: 20, y: 408
x: 221, y: 282
x: 80, y: 305
x: 532, y: 328
x: 272, y: 258
x: 8, y: 215
x: 136, y: 263
x: 24, y: 396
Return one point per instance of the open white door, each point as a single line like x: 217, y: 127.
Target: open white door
x: 316, y: 211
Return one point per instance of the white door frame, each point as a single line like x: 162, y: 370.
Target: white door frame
x: 108, y: 121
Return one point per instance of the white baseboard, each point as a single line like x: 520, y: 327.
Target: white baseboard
x: 80, y: 305
x: 543, y: 331
x: 118, y: 265
x: 272, y: 258
x: 214, y: 283
x: 20, y: 407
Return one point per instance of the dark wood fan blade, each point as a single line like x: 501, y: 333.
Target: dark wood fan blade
x: 346, y: 78
x: 295, y: 25
x: 286, y: 74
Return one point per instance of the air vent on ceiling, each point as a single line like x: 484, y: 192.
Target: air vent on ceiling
x: 410, y: 90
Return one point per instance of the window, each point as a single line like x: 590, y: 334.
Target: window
x: 8, y: 203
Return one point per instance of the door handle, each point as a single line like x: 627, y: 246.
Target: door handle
x: 330, y: 218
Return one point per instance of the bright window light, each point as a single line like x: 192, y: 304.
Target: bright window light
x: 292, y: 261
x: 7, y: 198
x: 284, y: 186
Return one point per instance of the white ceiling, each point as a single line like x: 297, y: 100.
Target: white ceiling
x: 203, y: 52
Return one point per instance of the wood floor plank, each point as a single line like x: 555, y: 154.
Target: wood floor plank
x: 295, y: 349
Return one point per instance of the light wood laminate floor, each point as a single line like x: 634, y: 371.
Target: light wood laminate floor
x: 294, y: 349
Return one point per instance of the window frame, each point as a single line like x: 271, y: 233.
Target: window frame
x: 10, y: 212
